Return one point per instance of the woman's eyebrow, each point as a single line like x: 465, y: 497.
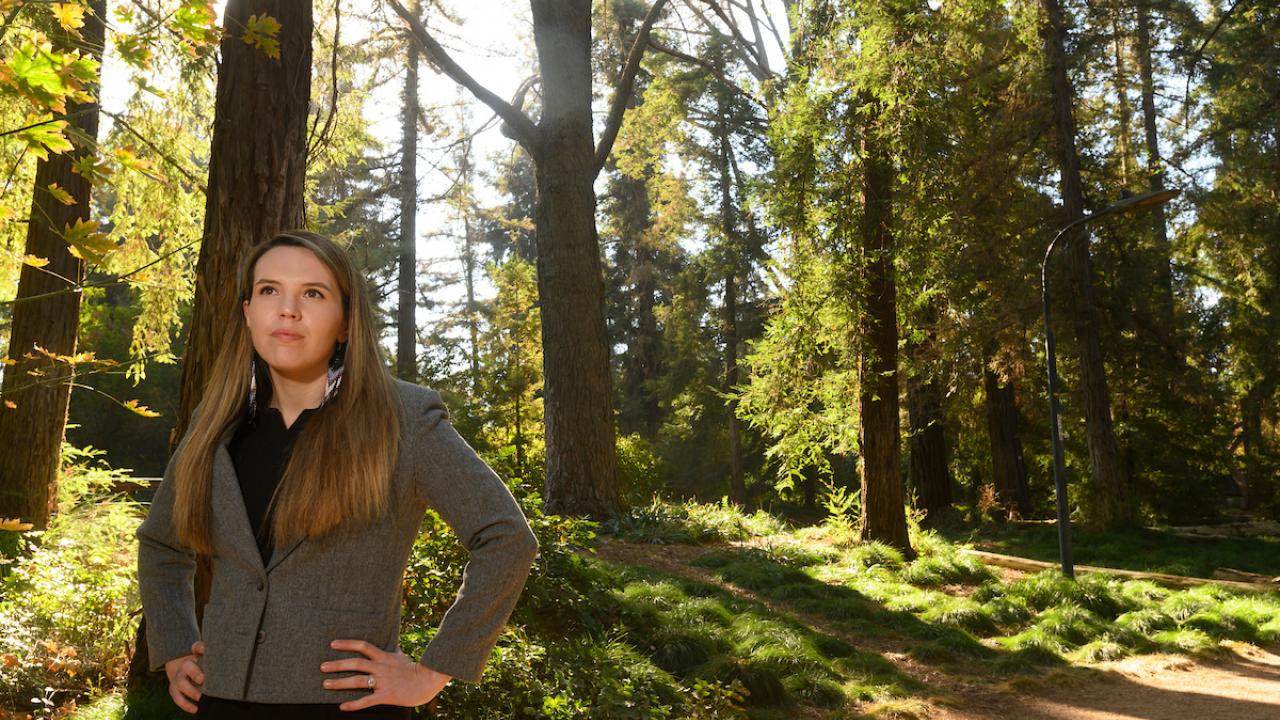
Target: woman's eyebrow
x: 277, y: 282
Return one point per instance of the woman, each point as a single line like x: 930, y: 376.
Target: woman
x: 304, y: 477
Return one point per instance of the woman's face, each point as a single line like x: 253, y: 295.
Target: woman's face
x: 294, y: 313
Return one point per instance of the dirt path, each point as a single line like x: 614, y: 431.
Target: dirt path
x: 1243, y: 684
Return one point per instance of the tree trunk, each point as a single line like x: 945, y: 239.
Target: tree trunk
x: 581, y: 462
x: 1155, y: 172
x: 1008, y: 469
x: 1110, y: 498
x: 469, y: 276
x: 883, y: 514
x: 737, y: 487
x: 257, y: 169
x: 637, y: 325
x: 928, y: 470
x: 730, y: 237
x: 31, y: 431
x: 1124, y: 113
x: 406, y: 316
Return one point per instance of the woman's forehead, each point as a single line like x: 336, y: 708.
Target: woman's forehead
x: 291, y: 264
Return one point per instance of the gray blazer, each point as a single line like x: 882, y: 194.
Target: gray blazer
x: 267, y: 629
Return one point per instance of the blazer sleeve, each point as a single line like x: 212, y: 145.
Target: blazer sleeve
x: 471, y: 498
x: 166, y: 573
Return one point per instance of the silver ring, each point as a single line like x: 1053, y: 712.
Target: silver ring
x: 371, y: 682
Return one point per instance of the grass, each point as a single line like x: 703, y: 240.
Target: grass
x: 1144, y: 550
x: 825, y: 628
x: 949, y: 610
x: 697, y: 630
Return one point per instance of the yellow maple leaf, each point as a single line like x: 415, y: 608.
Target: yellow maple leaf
x: 70, y: 15
x: 61, y: 195
x: 14, y: 524
x: 35, y: 261
x: 142, y: 410
x: 12, y: 406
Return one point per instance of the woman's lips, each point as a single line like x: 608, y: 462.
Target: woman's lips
x: 285, y: 336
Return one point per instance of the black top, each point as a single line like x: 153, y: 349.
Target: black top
x: 260, y: 450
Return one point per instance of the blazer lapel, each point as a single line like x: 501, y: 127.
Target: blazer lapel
x: 228, y: 503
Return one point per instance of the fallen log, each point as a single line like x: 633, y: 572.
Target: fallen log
x: 1176, y: 581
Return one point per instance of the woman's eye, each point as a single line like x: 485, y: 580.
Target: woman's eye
x: 317, y: 292
x: 264, y: 288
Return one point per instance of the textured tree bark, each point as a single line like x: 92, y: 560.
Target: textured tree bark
x: 1008, y: 468
x: 1110, y: 497
x: 883, y: 514
x: 31, y: 432
x: 581, y: 462
x: 928, y: 469
x: 257, y: 167
x: 406, y: 317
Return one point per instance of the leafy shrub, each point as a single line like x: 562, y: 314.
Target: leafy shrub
x: 664, y: 522
x: 65, y: 604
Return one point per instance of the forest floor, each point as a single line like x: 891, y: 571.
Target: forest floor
x: 1241, y: 681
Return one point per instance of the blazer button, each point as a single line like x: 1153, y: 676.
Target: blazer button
x: 261, y: 585
x: 262, y: 635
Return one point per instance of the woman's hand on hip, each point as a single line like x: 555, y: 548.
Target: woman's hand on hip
x: 184, y: 677
x: 397, y: 679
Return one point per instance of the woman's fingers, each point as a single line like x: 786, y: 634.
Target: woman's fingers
x: 179, y: 693
x: 192, y: 670
x: 355, y: 664
x: 355, y: 682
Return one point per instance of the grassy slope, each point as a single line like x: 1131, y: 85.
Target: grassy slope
x: 724, y: 615
x: 1142, y: 549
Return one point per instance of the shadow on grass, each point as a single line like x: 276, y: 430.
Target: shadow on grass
x: 1144, y: 549
x: 947, y: 644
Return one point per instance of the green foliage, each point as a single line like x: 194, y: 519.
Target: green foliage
x: 511, y: 349
x: 65, y: 605
x: 662, y: 522
x: 641, y: 474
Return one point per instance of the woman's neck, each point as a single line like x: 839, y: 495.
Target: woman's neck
x: 291, y: 396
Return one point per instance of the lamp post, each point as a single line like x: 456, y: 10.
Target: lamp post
x: 1128, y: 204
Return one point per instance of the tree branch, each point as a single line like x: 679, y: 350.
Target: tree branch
x: 191, y: 178
x: 625, y: 85
x: 749, y: 53
x: 705, y: 65
x: 526, y: 133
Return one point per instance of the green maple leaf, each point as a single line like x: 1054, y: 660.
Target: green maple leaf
x: 86, y: 242
x: 46, y: 137
x: 262, y: 31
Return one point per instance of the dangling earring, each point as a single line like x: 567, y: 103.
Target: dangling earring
x: 253, y: 387
x: 334, y: 377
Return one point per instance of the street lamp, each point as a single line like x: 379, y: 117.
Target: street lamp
x: 1128, y: 204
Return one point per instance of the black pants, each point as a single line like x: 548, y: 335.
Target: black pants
x: 216, y: 708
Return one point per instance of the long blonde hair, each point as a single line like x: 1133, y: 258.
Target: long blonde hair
x: 339, y: 470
